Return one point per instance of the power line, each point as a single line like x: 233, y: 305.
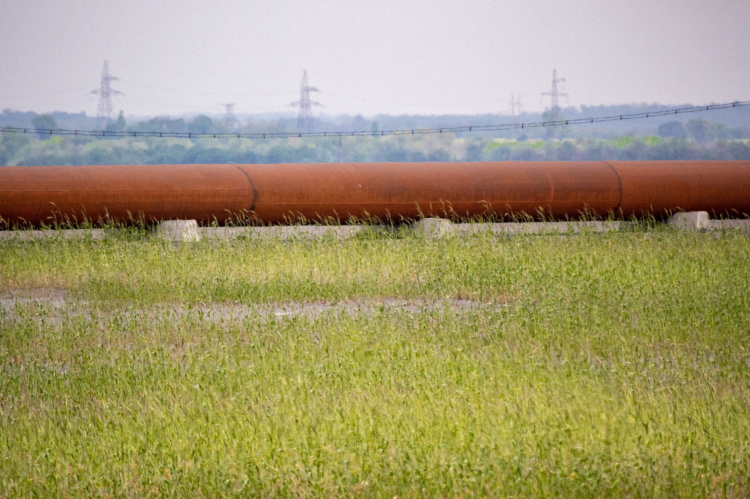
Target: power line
x: 182, y: 91
x: 415, y: 131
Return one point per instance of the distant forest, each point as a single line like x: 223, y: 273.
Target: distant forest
x: 723, y: 134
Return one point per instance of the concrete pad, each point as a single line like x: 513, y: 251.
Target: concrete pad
x: 549, y: 228
x: 178, y: 230
x: 188, y: 230
x: 731, y: 224
x: 30, y: 235
x: 690, y: 220
x: 310, y: 232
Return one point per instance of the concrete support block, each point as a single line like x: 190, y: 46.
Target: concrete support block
x: 178, y: 230
x: 434, y: 227
x: 690, y: 220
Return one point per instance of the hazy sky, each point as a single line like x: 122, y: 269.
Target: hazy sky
x: 426, y: 57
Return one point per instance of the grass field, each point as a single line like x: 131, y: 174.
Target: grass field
x: 590, y: 365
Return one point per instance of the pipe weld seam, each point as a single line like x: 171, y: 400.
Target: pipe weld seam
x: 252, y: 187
x: 619, y: 185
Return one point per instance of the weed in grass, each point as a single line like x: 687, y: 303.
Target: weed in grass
x: 598, y: 364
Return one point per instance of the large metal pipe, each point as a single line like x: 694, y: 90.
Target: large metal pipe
x: 281, y: 192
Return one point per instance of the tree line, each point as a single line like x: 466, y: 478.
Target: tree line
x: 676, y: 139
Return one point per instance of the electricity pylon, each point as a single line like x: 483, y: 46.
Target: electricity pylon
x: 105, y: 111
x: 515, y: 112
x: 554, y: 93
x: 229, y: 118
x: 304, y: 119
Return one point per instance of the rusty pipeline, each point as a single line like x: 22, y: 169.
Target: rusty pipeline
x: 277, y: 193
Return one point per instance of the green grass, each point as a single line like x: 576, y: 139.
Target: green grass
x: 590, y: 365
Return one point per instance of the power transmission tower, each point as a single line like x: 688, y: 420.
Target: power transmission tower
x: 554, y: 93
x: 341, y: 150
x: 229, y: 118
x: 105, y: 110
x: 515, y: 112
x: 305, y: 120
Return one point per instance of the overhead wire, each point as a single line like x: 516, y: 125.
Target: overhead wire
x: 360, y: 133
x: 198, y: 92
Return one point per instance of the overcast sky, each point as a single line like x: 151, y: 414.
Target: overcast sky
x: 425, y: 57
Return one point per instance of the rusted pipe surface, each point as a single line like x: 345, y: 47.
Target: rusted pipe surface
x: 41, y: 194
x: 275, y: 193
x: 659, y: 187
x: 409, y: 190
